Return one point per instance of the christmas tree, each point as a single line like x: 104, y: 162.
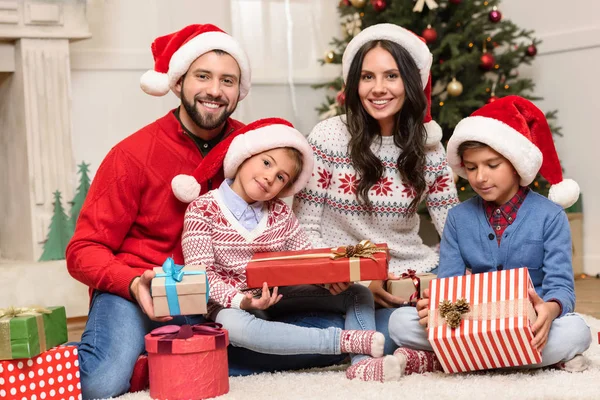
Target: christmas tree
x: 476, y: 55
x: 59, y: 233
x: 82, y: 190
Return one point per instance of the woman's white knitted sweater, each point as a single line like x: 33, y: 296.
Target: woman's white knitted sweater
x: 331, y: 216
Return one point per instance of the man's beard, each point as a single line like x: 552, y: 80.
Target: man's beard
x: 207, y: 122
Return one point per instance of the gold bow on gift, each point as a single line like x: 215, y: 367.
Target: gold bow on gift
x: 364, y: 249
x: 452, y: 313
x: 12, y: 312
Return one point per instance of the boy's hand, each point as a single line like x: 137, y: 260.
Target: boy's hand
x: 382, y: 297
x: 337, y: 288
x: 140, y: 288
x: 546, y: 313
x: 423, y: 308
x: 265, y: 301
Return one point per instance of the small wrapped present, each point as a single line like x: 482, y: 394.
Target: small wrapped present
x: 364, y: 261
x: 54, y: 374
x: 26, y: 332
x: 410, y: 286
x: 482, y: 321
x: 188, y: 362
x: 179, y: 291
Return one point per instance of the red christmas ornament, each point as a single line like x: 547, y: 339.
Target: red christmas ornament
x: 379, y: 5
x: 455, y: 1
x: 531, y: 51
x: 340, y: 98
x: 487, y: 61
x: 495, y: 15
x: 429, y: 34
x: 492, y: 99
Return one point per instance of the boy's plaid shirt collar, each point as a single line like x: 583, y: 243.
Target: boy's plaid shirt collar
x: 501, y: 217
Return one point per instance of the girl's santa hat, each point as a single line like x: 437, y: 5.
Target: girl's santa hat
x: 257, y: 137
x: 517, y: 129
x: 175, y: 52
x: 420, y: 53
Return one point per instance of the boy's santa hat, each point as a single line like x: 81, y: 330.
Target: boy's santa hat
x: 420, y: 53
x: 257, y: 137
x: 517, y: 129
x: 175, y: 52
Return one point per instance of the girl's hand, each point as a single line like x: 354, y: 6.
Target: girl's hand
x: 382, y: 297
x: 546, y: 313
x: 265, y: 301
x: 423, y: 308
x: 337, y: 288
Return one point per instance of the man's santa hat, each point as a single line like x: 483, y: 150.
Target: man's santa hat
x: 175, y: 52
x: 420, y: 53
x: 517, y: 129
x: 257, y: 137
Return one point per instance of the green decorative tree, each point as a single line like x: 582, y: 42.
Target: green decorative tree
x: 82, y: 190
x: 58, y: 235
x: 476, y: 55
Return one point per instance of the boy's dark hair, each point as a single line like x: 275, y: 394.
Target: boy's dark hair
x: 296, y: 155
x: 469, y: 145
x: 409, y: 132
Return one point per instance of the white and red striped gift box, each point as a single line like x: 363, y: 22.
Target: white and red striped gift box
x: 495, y: 333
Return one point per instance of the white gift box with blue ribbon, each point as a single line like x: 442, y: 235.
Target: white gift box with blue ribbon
x: 179, y: 290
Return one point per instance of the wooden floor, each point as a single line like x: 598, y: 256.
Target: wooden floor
x: 587, y: 291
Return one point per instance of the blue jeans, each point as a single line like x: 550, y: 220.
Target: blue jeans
x: 569, y: 335
x: 272, y: 337
x: 114, y: 339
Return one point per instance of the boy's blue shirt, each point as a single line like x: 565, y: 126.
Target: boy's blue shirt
x: 539, y: 239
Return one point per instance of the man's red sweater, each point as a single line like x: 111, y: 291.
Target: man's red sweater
x: 131, y: 220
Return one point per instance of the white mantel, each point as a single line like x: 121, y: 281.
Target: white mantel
x: 36, y: 155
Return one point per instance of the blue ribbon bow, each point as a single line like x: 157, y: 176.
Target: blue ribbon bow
x: 174, y: 273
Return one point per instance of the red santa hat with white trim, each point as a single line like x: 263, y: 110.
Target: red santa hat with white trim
x: 175, y: 52
x: 416, y: 47
x: 257, y: 137
x: 517, y: 129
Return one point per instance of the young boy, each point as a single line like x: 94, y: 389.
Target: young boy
x: 226, y: 226
x: 500, y: 149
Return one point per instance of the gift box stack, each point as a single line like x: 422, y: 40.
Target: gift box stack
x: 179, y: 291
x: 410, y: 286
x: 34, y: 366
x: 188, y: 362
x: 364, y: 261
x: 482, y: 321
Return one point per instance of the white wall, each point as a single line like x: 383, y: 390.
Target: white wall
x: 109, y: 105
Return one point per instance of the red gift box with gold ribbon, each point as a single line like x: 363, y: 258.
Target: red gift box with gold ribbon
x: 364, y: 261
x: 188, y: 362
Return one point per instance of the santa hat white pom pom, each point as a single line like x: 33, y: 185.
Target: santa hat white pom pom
x: 155, y: 83
x: 434, y: 134
x: 564, y: 193
x: 185, y: 188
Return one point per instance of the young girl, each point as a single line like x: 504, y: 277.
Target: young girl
x: 225, y: 227
x: 374, y: 165
x: 500, y: 149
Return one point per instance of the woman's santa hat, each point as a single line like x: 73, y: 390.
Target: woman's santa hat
x: 257, y: 137
x: 517, y: 129
x: 175, y: 52
x: 420, y: 53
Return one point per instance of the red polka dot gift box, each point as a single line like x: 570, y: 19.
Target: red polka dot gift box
x: 188, y: 362
x: 54, y: 374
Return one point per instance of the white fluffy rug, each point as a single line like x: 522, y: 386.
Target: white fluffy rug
x: 332, y: 384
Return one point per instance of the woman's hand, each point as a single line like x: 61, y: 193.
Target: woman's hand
x: 382, y: 297
x: 263, y: 302
x: 337, y: 288
x: 423, y: 308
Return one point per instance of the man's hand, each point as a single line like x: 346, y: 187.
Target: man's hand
x: 423, y: 308
x: 140, y: 288
x: 265, y: 301
x: 337, y: 288
x: 382, y: 297
x: 546, y: 313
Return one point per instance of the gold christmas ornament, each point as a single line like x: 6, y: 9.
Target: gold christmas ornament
x: 329, y: 57
x: 454, y: 88
x: 358, y: 3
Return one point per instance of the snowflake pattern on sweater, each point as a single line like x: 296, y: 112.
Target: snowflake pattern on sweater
x: 213, y: 236
x: 331, y: 216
